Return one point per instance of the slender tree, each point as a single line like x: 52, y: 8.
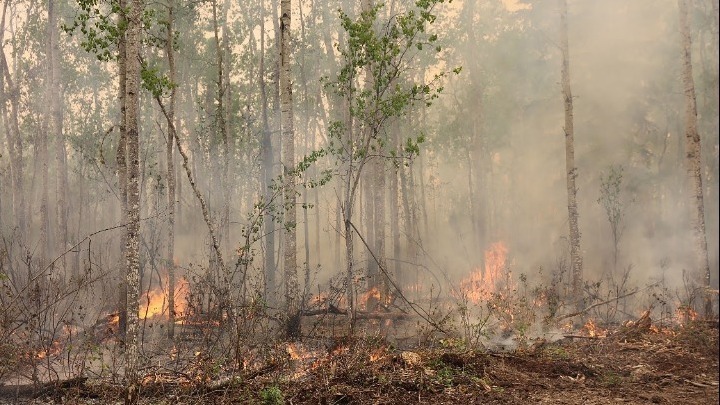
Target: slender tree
x: 12, y: 129
x: 132, y: 248
x: 169, y: 157
x: 288, y: 160
x: 693, y: 158
x: 121, y: 162
x: 576, y: 259
x: 267, y: 170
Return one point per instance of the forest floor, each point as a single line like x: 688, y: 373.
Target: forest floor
x: 636, y: 364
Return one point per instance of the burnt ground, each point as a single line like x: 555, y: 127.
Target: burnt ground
x: 633, y: 366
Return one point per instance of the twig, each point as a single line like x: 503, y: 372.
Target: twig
x: 701, y: 385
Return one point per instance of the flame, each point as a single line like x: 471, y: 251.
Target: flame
x: 480, y: 285
x: 54, y: 349
x: 293, y: 351
x: 113, y: 319
x: 377, y: 354
x: 373, y: 293
x: 685, y: 314
x: 593, y: 330
x: 319, y: 300
x: 154, y: 302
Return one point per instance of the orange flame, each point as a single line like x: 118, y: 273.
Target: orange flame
x: 593, y: 330
x: 377, y: 354
x: 373, y: 293
x: 481, y: 284
x: 155, y: 302
x: 685, y: 314
x: 54, y: 349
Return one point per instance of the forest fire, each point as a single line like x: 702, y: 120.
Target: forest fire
x: 54, y: 349
x: 593, y: 330
x: 480, y: 285
x: 155, y: 301
x: 369, y: 296
x: 684, y: 315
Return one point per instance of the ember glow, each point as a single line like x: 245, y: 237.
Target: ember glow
x: 480, y: 285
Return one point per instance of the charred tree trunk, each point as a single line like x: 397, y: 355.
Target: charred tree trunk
x: 693, y: 159
x: 576, y: 259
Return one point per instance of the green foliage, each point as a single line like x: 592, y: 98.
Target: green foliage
x: 154, y: 81
x: 380, y: 54
x: 100, y: 25
x: 272, y: 396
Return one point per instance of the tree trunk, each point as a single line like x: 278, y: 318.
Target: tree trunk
x: 576, y: 259
x: 15, y: 143
x: 169, y: 156
x: 382, y: 281
x: 267, y: 169
x: 394, y: 208
x: 693, y: 159
x: 56, y: 115
x: 222, y: 127
x: 288, y: 155
x: 121, y: 161
x: 132, y: 251
x: 42, y: 146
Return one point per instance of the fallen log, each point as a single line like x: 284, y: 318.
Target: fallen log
x: 332, y: 309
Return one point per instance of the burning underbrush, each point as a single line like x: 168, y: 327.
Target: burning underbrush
x: 495, y: 337
x: 635, y: 363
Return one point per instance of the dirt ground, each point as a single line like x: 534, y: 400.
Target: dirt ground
x: 629, y: 365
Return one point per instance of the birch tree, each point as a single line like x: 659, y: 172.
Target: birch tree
x: 693, y: 158
x: 385, y: 56
x: 288, y: 161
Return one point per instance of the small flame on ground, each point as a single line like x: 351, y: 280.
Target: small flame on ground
x: 685, y: 314
x: 377, y: 354
x: 54, y: 349
x: 593, y: 330
x: 296, y: 352
x: 373, y: 293
x: 319, y: 300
